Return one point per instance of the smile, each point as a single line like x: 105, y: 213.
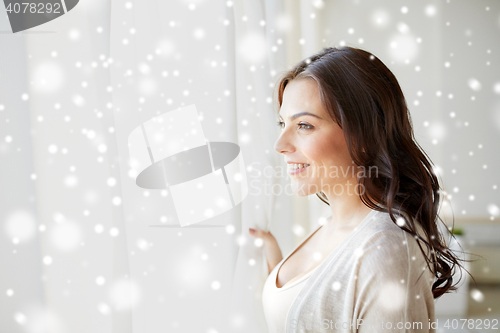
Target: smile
x: 294, y: 169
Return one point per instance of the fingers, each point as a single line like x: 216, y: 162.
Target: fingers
x: 253, y: 231
x: 257, y: 233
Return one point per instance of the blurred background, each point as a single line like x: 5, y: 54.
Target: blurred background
x: 84, y: 249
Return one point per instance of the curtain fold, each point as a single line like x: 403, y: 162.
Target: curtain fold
x: 20, y: 246
x: 248, y: 51
x: 272, y: 26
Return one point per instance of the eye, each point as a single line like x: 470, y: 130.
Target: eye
x: 302, y: 126
x: 306, y: 126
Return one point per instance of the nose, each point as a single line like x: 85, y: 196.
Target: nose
x: 283, y: 144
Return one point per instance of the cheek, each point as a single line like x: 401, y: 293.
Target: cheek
x: 328, y: 151
x: 330, y: 158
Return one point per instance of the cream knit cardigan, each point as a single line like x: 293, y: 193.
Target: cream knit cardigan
x: 376, y: 280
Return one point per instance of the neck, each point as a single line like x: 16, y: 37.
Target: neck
x: 347, y: 211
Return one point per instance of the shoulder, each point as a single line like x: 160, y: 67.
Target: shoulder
x: 381, y: 230
x: 387, y: 249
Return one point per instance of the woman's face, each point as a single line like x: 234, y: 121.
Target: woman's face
x: 310, y: 136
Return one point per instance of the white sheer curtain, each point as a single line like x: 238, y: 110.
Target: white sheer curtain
x: 253, y: 69
x: 97, y: 253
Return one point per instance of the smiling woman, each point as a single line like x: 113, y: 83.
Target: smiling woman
x: 366, y: 266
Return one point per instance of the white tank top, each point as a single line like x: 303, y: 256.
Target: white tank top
x: 277, y: 301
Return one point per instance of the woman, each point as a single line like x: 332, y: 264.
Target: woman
x: 379, y: 261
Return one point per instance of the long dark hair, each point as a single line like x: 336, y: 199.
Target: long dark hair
x: 363, y: 96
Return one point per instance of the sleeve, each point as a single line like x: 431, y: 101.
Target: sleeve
x: 383, y: 290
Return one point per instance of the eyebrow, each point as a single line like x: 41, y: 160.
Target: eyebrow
x: 300, y: 114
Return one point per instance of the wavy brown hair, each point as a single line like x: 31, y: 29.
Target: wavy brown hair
x: 363, y: 96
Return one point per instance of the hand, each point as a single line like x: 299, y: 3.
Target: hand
x: 271, y: 248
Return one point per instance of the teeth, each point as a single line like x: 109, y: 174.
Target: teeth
x: 298, y: 166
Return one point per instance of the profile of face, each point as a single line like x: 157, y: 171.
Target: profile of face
x: 310, y: 137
